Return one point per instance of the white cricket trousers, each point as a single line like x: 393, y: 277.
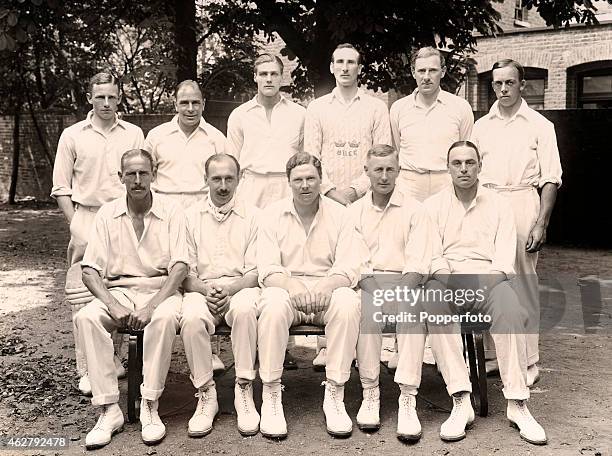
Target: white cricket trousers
x: 422, y: 185
x: 94, y: 326
x: 277, y: 315
x: 447, y: 347
x: 508, y: 319
x: 198, y: 324
x: 526, y: 207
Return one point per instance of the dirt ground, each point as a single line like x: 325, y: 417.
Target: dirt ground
x: 38, y: 394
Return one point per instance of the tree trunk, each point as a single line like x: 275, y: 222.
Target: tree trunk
x: 16, y: 150
x: 321, y: 50
x: 185, y: 38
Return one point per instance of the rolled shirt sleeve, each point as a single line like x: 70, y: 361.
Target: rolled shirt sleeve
x: 96, y: 253
x: 548, y: 155
x: 63, y: 166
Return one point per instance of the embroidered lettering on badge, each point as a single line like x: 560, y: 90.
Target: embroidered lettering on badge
x: 346, y: 153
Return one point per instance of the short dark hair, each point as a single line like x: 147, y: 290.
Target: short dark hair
x: 463, y: 144
x: 381, y: 150
x: 104, y: 77
x: 425, y: 52
x: 347, y: 46
x: 138, y: 152
x: 303, y: 158
x: 509, y: 62
x: 267, y: 57
x: 185, y: 83
x: 220, y: 157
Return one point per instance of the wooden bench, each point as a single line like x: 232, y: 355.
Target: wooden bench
x: 473, y: 345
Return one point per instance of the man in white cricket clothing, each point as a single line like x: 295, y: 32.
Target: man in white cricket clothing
x: 520, y: 159
x: 140, y: 237
x: 85, y: 175
x: 308, y: 258
x: 222, y: 286
x: 475, y: 243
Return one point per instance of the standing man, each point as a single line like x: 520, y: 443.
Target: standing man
x: 181, y: 148
x: 475, y: 234
x: 397, y: 231
x: 308, y: 258
x: 142, y: 237
x: 222, y: 285
x: 340, y: 128
x: 263, y: 134
x: 85, y: 173
x: 425, y: 123
x: 519, y: 158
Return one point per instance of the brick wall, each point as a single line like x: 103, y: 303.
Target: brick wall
x: 554, y: 50
x: 36, y: 169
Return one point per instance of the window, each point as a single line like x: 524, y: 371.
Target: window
x: 595, y: 89
x: 520, y: 13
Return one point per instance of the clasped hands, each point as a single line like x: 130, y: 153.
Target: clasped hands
x: 309, y: 301
x: 130, y: 319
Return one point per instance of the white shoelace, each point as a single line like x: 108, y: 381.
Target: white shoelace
x: 203, y: 398
x: 369, y: 398
x: 244, y: 396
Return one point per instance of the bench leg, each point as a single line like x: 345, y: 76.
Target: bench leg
x: 483, y: 406
x: 468, y: 340
x: 132, y: 375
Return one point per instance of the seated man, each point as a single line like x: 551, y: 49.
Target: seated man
x: 475, y: 234
x: 308, y: 261
x: 140, y: 235
x: 222, y: 284
x: 396, y: 229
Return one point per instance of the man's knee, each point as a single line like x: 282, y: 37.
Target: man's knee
x: 505, y: 308
x: 345, y: 304
x: 244, y: 303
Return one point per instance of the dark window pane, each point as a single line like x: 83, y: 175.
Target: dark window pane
x: 597, y: 84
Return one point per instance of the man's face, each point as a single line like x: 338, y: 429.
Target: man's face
x: 104, y: 100
x: 189, y: 106
x: 463, y: 166
x: 427, y: 72
x: 507, y: 86
x: 305, y: 184
x: 222, y: 180
x: 136, y: 174
x: 345, y: 67
x: 268, y: 77
x: 383, y: 172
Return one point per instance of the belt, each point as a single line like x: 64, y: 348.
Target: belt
x: 202, y: 192
x: 246, y: 172
x: 509, y: 188
x: 443, y: 171
x: 87, y: 208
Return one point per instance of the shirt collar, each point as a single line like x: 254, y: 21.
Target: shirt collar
x: 204, y: 126
x: 156, y: 206
x: 238, y: 208
x: 289, y: 207
x: 523, y: 110
x: 442, y: 98
x: 480, y: 191
x: 335, y: 94
x: 90, y: 124
x: 253, y: 103
x: 397, y: 199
